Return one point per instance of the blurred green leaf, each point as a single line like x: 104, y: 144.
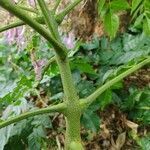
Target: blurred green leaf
x: 111, y: 24
x: 4, y: 136
x: 139, y: 20
x: 85, y: 88
x: 144, y: 143
x: 35, y: 139
x: 100, y: 4
x: 119, y: 5
x: 42, y: 120
x: 146, y: 26
x: 18, y: 91
x: 94, y: 44
x: 82, y: 65
x: 105, y: 99
x: 136, y: 105
x: 135, y: 4
x: 91, y: 121
x: 147, y: 5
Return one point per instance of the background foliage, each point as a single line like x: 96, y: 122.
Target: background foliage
x: 92, y: 63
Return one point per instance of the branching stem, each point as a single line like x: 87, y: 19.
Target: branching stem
x: 28, y: 9
x: 59, y: 48
x: 56, y: 5
x: 90, y: 99
x: 67, y: 10
x: 72, y: 107
x: 51, y: 109
x: 20, y: 23
x: 59, y: 18
x: 49, y: 19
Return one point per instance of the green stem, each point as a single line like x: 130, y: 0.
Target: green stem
x: 49, y: 19
x: 73, y: 111
x: 8, y: 5
x: 28, y: 9
x: 20, y: 23
x: 90, y: 99
x: 67, y: 81
x: 56, y: 108
x: 72, y: 136
x: 56, y: 5
x: 60, y: 17
x: 12, y: 25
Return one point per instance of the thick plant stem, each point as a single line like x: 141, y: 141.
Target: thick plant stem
x: 72, y: 137
x: 67, y: 81
x: 73, y: 111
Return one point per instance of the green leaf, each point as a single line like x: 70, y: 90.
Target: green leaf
x: 136, y: 43
x: 101, y: 4
x: 85, y: 88
x: 15, y: 143
x: 138, y: 21
x: 147, y: 5
x: 35, y: 41
x: 105, y: 99
x: 18, y: 91
x: 92, y: 45
x: 117, y: 85
x: 138, y: 105
x: 42, y: 120
x: 108, y: 74
x: 119, y: 5
x: 19, y: 127
x: 34, y: 142
x: 54, y: 70
x: 102, y: 8
x: 135, y: 4
x: 128, y: 56
x: 91, y: 121
x: 136, y: 13
x: 82, y: 65
x: 4, y: 136
x: 144, y: 143
x: 146, y: 26
x: 105, y: 56
x: 111, y: 24
x: 35, y: 139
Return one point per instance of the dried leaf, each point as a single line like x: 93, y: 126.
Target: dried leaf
x: 132, y: 125
x: 119, y: 142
